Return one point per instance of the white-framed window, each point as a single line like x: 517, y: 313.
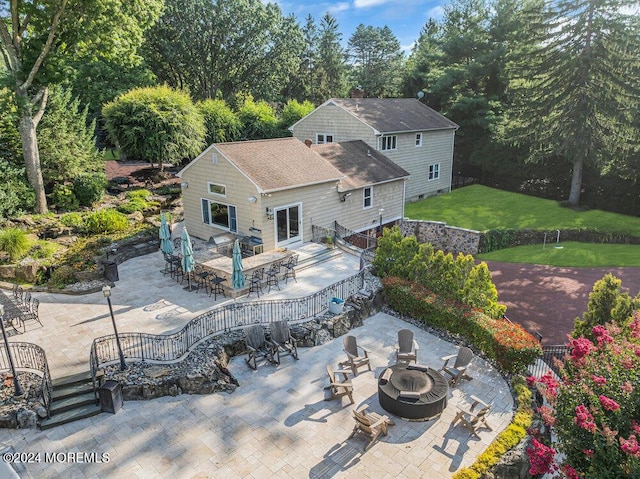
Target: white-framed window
x: 389, y: 142
x: 418, y: 139
x: 217, y: 189
x: 434, y: 171
x: 367, y: 197
x: 220, y: 215
x: 322, y: 138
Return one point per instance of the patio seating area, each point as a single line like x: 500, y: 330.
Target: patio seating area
x: 278, y: 423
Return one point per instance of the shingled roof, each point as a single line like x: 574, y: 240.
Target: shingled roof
x: 360, y: 166
x: 278, y: 164
x: 394, y: 115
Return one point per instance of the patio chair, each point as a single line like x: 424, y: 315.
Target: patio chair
x: 272, y: 275
x: 25, y: 305
x: 290, y: 268
x: 338, y: 388
x: 215, y: 285
x: 370, y: 424
x: 282, y: 339
x: 255, y: 282
x: 474, y: 417
x: 258, y: 347
x: 32, y: 314
x: 457, y: 372
x: 355, y: 360
x: 407, y: 347
x: 201, y: 277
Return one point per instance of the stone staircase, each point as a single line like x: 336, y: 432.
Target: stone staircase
x: 310, y: 255
x: 72, y: 399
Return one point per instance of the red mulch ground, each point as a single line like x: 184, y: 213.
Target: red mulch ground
x: 547, y: 299
x: 139, y: 173
x: 543, y: 299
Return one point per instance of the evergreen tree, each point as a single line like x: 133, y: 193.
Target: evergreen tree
x: 377, y: 61
x: 331, y: 69
x: 578, y: 87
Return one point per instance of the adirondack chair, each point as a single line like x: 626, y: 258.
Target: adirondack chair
x: 338, y: 388
x: 355, y: 360
x: 407, y: 347
x: 473, y: 418
x: 459, y: 368
x: 282, y: 340
x: 259, y: 347
x: 370, y: 424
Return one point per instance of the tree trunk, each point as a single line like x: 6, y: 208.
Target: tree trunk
x: 31, y: 154
x: 576, y: 182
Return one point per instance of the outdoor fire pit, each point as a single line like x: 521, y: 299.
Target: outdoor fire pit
x: 412, y: 392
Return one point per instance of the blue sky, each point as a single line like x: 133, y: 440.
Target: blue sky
x: 405, y: 18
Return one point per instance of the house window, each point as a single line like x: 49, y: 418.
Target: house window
x: 220, y: 215
x: 367, y: 197
x: 389, y: 142
x: 418, y: 139
x: 434, y: 171
x: 322, y: 138
x: 217, y: 189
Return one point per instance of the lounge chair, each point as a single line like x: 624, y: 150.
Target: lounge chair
x: 407, y: 347
x: 355, y: 359
x: 258, y: 347
x: 338, y: 388
x: 282, y: 339
x: 370, y: 424
x: 473, y: 418
x: 457, y: 372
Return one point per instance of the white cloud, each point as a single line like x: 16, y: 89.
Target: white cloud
x: 435, y: 12
x: 338, y: 7
x: 368, y: 3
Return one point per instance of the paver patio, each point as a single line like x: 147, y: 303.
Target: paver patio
x: 275, y: 423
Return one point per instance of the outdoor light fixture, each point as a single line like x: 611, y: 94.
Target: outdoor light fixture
x: 252, y: 199
x: 344, y: 197
x: 269, y: 212
x: 380, y: 211
x: 106, y: 291
x: 184, y: 185
x: 16, y: 381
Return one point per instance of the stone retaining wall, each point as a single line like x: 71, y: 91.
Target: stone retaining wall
x: 447, y: 238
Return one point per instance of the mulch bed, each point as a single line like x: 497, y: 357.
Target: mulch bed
x: 547, y: 299
x: 141, y: 174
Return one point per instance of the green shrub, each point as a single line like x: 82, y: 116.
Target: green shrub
x: 72, y: 220
x: 44, y: 249
x: 14, y: 242
x: 89, y: 188
x: 508, y: 344
x: 133, y: 205
x: 141, y: 194
x: 62, y: 276
x: 64, y: 198
x: 106, y: 221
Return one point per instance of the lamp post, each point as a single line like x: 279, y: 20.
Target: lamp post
x: 16, y: 381
x: 106, y: 291
x: 380, y: 211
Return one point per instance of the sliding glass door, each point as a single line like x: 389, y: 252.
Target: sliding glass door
x: 288, y: 224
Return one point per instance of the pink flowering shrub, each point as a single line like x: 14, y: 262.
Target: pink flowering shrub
x: 595, y: 407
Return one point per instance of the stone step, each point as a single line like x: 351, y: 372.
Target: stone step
x: 82, y: 412
x: 82, y: 377
x: 72, y: 402
x: 71, y: 390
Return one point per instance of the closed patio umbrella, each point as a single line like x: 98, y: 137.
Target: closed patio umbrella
x: 188, y: 263
x: 165, y: 236
x: 237, y: 277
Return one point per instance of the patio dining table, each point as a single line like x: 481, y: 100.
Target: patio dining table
x: 12, y: 312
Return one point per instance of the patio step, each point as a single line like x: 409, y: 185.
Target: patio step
x: 72, y: 399
x: 308, y: 260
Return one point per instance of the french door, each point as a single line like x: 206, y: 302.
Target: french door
x: 288, y: 224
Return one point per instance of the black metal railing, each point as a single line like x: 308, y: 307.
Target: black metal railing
x: 551, y: 355
x: 358, y: 240
x: 30, y: 357
x: 172, y: 347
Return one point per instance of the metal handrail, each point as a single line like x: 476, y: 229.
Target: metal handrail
x: 173, y: 347
x: 30, y: 357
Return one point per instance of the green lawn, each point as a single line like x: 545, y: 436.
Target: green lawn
x: 571, y: 254
x: 482, y: 208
